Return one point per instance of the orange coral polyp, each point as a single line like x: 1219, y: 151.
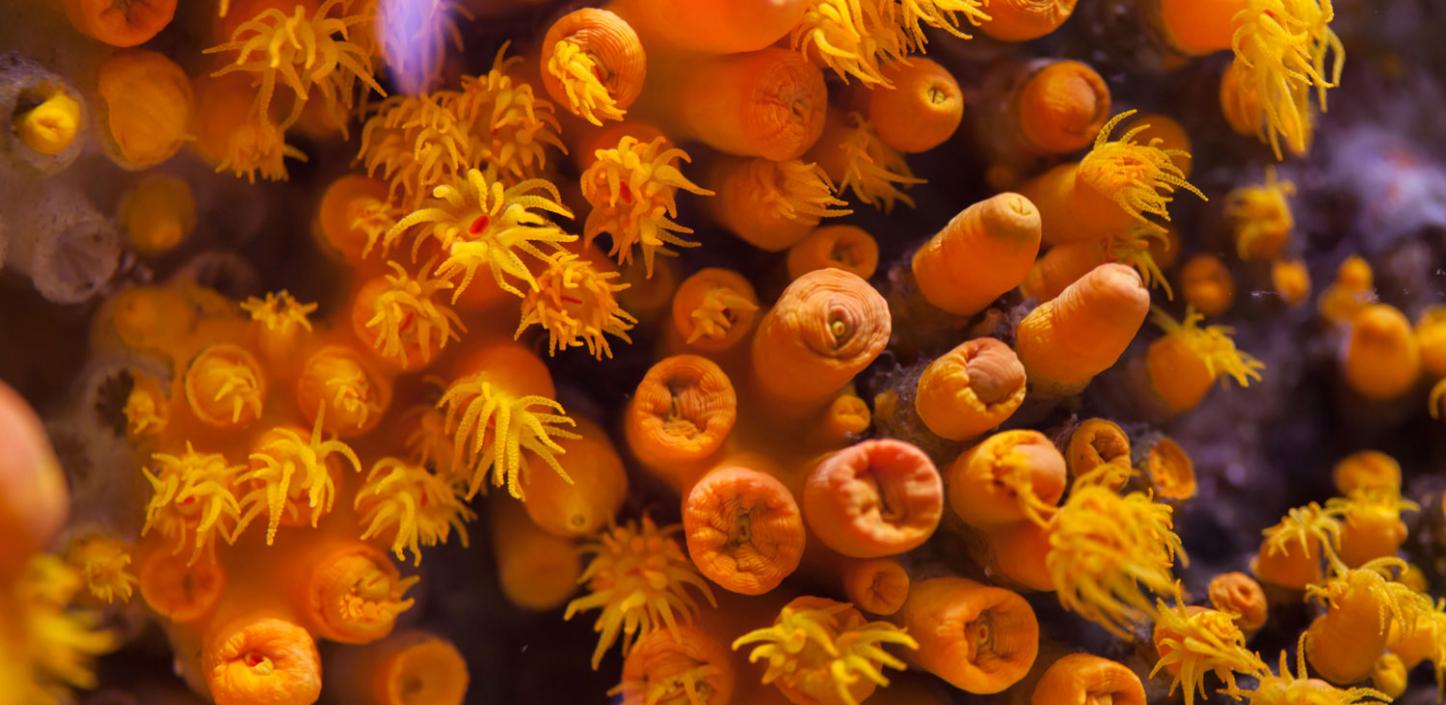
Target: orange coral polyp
x: 1240, y: 596
x: 1068, y: 340
x: 120, y: 23
x: 593, y: 63
x: 1086, y: 679
x: 744, y: 530
x: 1381, y: 359
x: 598, y: 488
x: 632, y: 187
x: 353, y: 595
x: 921, y: 110
x: 981, y: 639
x: 145, y: 107
x: 1023, y: 20
x: 268, y: 660
x: 714, y: 309
x: 292, y: 477
x: 1062, y: 107
x: 769, y: 103
x: 1008, y: 477
x: 683, y: 410
x: 826, y: 327
x: 225, y: 386
x: 1099, y: 453
x: 686, y: 665
x: 772, y: 205
x: 846, y: 247
x: 970, y: 389
x: 400, y: 317
x: 983, y: 252
x: 342, y: 392
x: 877, y: 498
x: 184, y: 593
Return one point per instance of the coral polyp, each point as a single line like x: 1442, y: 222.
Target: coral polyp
x: 632, y: 189
x: 1285, y: 50
x: 498, y: 433
x: 290, y: 477
x: 576, y: 304
x: 193, y: 501
x: 1139, y: 178
x: 410, y: 507
x: 642, y: 581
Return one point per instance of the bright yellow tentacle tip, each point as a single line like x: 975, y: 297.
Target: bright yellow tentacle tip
x: 939, y: 14
x: 633, y: 192
x: 1139, y: 178
x: 1261, y: 217
x: 639, y: 577
x: 1284, y: 49
x: 1285, y: 688
x: 852, y: 38
x: 1212, y: 345
x: 54, y: 645
x: 495, y: 430
x: 193, y: 500
x: 1196, y: 641
x: 480, y: 223
x: 1135, y: 249
x: 147, y: 410
x: 290, y: 477
x: 510, y: 126
x: 795, y: 190
x: 414, y: 142
x: 410, y: 506
x: 279, y: 312
x: 823, y: 651
x: 1401, y: 606
x: 103, y: 562
x: 50, y: 127
x: 874, y: 171
x: 1107, y: 551
x: 408, y: 326
x: 304, y: 54
x: 578, y: 72
x: 718, y: 310
x: 574, y: 303
x: 1436, y: 402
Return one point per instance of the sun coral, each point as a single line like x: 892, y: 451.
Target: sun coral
x: 290, y: 477
x: 496, y: 430
x: 1108, y: 551
x: 639, y: 577
x: 399, y: 316
x: 412, y: 505
x: 575, y: 304
x: 1139, y: 178
x: 1285, y: 688
x: 1261, y: 217
x: 193, y: 500
x: 850, y: 149
x: 822, y: 651
x: 1362, y: 606
x: 480, y: 223
x: 304, y: 54
x: 1189, y: 358
x: 854, y: 39
x: 633, y: 192
x: 1284, y: 49
x: 415, y: 142
x: 103, y: 562
x: 1195, y: 641
x: 1311, y: 533
x: 769, y: 204
x: 509, y: 126
x: 594, y: 64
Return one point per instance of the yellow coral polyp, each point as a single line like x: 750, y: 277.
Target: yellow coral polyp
x: 480, y: 223
x: 1401, y: 606
x: 1135, y: 249
x: 578, y: 72
x: 509, y: 125
x: 1284, y: 49
x: 408, y: 325
x: 54, y: 644
x: 257, y: 147
x: 852, y: 38
x: 939, y: 14
x: 495, y: 430
x: 193, y: 500
x: 290, y: 477
x: 1139, y: 178
x: 1285, y: 688
x: 1309, y: 528
x: 818, y: 650
x: 874, y: 171
x: 719, y: 310
x: 103, y: 562
x: 147, y: 410
x: 574, y: 303
x: 416, y: 141
x: 279, y: 312
x: 797, y: 191
x: 1194, y: 642
x: 633, y: 192
x: 1211, y: 344
x: 304, y: 54
x: 1262, y: 218
x: 639, y: 577
x: 1106, y: 551
x: 225, y: 386
x: 412, y: 505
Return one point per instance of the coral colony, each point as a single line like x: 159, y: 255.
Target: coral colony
x: 711, y: 352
